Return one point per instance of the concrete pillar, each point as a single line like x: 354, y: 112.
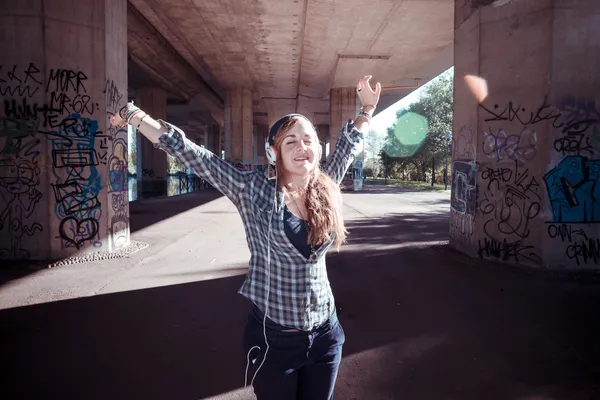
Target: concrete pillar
x: 323, y: 134
x: 212, y: 139
x: 261, y: 134
x: 154, y: 161
x: 63, y: 169
x: 343, y: 105
x: 239, y: 130
x: 526, y: 164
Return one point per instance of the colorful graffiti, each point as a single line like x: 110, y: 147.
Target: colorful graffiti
x: 574, y: 190
x: 501, y: 146
x: 511, y: 197
x: 82, y: 160
x: 77, y: 181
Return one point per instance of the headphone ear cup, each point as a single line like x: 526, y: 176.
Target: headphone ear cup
x: 271, y: 153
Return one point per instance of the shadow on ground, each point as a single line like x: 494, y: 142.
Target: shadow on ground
x: 397, y: 229
x: 143, y: 213
x: 427, y: 323
x: 147, y: 212
x: 369, y: 188
x: 419, y: 323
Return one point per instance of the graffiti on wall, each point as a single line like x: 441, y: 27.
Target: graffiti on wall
x: 463, y: 194
x: 463, y: 187
x: 463, y: 144
x: 500, y: 146
x: 574, y: 190
x: 19, y: 159
x: 78, y: 154
x: 572, y: 183
x: 509, y: 195
x: 571, y: 117
x: 510, y: 200
x: 76, y: 180
x: 118, y: 190
x: 579, y: 247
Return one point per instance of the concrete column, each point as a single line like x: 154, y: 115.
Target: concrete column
x: 526, y: 160
x: 63, y: 169
x: 323, y: 134
x: 261, y: 134
x: 239, y: 130
x: 212, y: 139
x: 154, y: 161
x: 343, y: 105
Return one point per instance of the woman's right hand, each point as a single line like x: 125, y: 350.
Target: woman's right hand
x: 368, y: 96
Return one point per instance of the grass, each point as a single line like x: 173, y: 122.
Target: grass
x: 407, y: 184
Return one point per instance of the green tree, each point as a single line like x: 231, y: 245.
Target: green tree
x: 435, y: 104
x: 414, y: 160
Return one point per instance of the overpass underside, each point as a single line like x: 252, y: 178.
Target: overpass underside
x: 524, y: 170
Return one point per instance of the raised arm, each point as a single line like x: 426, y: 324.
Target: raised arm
x: 220, y: 174
x: 353, y: 132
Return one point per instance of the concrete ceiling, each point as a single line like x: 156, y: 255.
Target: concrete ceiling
x: 289, y: 52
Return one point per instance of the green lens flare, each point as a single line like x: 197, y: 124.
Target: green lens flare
x: 411, y: 129
x: 409, y: 134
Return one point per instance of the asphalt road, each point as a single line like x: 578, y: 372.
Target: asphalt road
x: 421, y: 321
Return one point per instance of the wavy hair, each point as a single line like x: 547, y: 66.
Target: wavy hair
x: 323, y: 199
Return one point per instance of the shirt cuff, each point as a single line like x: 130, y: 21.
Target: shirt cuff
x: 173, y: 138
x: 353, y: 135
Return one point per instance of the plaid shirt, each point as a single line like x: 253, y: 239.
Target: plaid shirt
x: 299, y: 294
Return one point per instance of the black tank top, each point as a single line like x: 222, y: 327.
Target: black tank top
x: 295, y: 229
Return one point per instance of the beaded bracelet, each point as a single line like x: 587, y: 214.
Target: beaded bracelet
x: 132, y: 114
x: 365, y: 114
x: 141, y: 119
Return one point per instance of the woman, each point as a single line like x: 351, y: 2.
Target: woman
x: 292, y: 338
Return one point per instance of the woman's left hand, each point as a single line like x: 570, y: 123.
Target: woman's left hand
x: 368, y: 96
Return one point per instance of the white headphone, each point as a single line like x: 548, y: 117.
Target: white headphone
x: 270, y: 151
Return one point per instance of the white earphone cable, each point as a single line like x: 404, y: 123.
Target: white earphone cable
x: 267, y: 296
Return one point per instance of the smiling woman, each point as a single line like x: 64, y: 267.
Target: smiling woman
x: 293, y: 339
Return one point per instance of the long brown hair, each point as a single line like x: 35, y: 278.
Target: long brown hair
x: 323, y: 198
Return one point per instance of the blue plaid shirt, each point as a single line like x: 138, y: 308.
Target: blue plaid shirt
x: 299, y: 294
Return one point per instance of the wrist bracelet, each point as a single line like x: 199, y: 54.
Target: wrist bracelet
x: 133, y: 114
x: 366, y: 115
x: 141, y: 119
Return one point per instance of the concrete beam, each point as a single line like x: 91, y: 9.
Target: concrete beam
x: 151, y: 52
x: 172, y: 33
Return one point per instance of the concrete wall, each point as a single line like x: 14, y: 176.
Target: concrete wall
x: 63, y: 169
x: 526, y: 167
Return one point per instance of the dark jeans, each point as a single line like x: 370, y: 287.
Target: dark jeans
x: 300, y: 365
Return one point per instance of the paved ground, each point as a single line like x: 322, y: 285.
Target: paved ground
x: 421, y: 321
